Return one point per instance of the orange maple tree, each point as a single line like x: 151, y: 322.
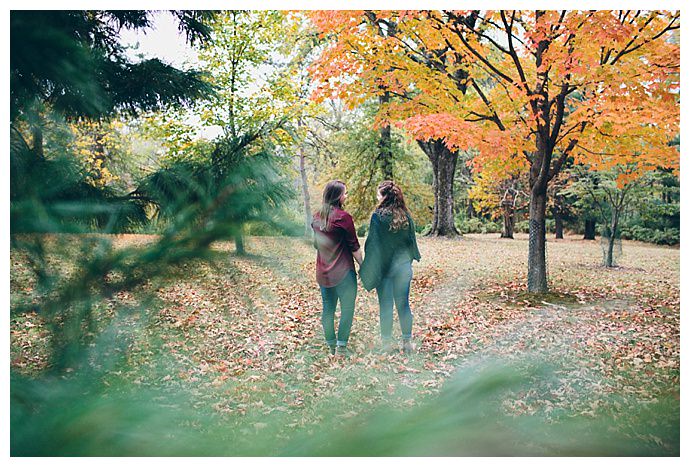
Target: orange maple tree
x: 522, y: 87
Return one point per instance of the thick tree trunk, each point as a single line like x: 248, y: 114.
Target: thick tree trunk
x: 508, y: 220
x: 385, y: 144
x: 541, y: 171
x: 305, y: 193
x: 590, y: 229
x: 444, y: 163
x: 446, y: 173
x: 536, y: 260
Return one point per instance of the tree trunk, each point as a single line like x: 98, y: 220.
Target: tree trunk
x: 558, y: 217
x: 385, y: 144
x: 239, y: 244
x: 613, y: 230
x: 443, y: 162
x: 470, y: 209
x: 590, y: 229
x: 37, y: 140
x: 536, y: 260
x: 446, y: 173
x: 508, y: 220
x: 559, y: 224
x: 305, y: 193
x: 609, y: 252
x: 434, y: 188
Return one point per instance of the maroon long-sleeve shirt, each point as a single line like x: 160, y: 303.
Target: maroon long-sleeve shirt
x: 334, y: 247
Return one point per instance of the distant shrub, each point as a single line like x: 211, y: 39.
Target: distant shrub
x: 473, y: 225
x: 522, y: 226
x: 477, y: 225
x: 644, y: 234
x: 667, y: 237
x: 654, y: 214
x: 492, y: 227
x: 362, y: 230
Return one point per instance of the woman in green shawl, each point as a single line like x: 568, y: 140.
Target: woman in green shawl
x: 390, y: 247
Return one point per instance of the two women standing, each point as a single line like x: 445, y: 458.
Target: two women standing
x: 388, y: 253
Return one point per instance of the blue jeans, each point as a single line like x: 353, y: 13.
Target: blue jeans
x: 346, y: 292
x: 395, y: 287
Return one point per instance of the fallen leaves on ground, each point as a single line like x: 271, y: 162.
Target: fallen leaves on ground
x: 244, y: 333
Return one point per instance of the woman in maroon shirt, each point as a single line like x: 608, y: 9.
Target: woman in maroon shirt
x: 336, y: 243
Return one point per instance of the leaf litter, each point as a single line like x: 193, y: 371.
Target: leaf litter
x: 244, y: 333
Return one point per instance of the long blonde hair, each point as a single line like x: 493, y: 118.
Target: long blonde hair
x: 393, y: 203
x: 331, y: 198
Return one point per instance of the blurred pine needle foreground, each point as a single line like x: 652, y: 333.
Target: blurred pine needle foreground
x: 174, y: 313
x: 71, y: 417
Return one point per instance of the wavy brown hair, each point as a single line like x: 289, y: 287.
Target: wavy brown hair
x: 393, y: 203
x: 331, y: 198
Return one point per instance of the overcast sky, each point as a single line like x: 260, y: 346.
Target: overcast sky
x: 162, y: 41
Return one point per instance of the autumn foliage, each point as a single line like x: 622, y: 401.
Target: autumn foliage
x: 526, y: 89
x: 626, y: 90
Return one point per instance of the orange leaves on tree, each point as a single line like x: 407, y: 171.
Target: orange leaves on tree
x: 601, y: 84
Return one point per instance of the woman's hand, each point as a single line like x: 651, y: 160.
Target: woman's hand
x: 357, y: 255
